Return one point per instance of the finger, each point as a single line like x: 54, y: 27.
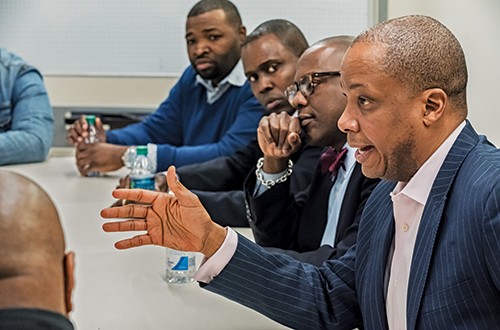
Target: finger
x: 82, y: 124
x: 136, y: 211
x: 284, y: 127
x: 98, y: 123
x: 294, y: 125
x: 128, y: 225
x: 274, y: 128
x: 161, y: 182
x: 139, y: 240
x: 184, y: 196
x: 136, y: 195
x: 71, y: 135
x: 294, y: 141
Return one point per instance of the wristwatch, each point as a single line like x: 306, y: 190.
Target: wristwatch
x: 129, y: 156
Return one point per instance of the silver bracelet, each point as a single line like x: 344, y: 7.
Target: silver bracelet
x: 271, y: 183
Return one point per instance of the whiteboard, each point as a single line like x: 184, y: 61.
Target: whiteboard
x: 146, y: 37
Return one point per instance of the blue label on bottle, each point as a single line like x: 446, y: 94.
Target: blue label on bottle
x: 143, y: 183
x: 182, y: 264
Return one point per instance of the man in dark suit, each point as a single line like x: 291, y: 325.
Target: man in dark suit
x: 36, y: 275
x: 321, y: 222
x: 269, y: 56
x: 426, y: 255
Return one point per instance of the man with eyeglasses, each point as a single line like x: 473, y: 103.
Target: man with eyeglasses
x: 426, y: 255
x: 321, y: 222
x: 269, y: 55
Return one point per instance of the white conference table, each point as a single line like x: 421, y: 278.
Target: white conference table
x: 125, y: 289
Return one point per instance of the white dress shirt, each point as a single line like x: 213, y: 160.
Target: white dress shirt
x: 408, y: 202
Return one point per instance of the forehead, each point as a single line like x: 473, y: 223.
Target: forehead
x: 362, y: 61
x: 319, y: 59
x: 267, y: 47
x: 211, y: 20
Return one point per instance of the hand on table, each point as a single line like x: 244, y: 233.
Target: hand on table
x: 98, y: 157
x: 177, y: 221
x: 78, y: 131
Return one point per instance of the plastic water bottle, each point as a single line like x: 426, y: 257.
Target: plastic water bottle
x: 91, y: 137
x: 142, y: 175
x: 181, y: 266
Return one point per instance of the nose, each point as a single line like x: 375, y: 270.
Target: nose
x: 347, y: 121
x: 265, y: 84
x: 200, y: 48
x: 299, y: 101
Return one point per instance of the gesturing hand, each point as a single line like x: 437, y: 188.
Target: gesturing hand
x: 279, y: 137
x: 176, y: 221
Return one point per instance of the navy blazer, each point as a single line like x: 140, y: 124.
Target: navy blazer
x: 294, y: 223
x: 219, y: 182
x: 455, y: 272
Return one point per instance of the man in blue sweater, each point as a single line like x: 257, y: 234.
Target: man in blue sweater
x: 210, y: 112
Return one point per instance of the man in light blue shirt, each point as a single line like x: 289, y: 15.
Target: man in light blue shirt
x: 26, y: 119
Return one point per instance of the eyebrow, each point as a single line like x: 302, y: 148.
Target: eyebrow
x: 355, y: 85
x: 208, y: 30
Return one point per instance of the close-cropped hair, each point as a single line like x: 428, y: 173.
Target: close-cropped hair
x: 204, y: 6
x: 288, y: 33
x: 422, y: 53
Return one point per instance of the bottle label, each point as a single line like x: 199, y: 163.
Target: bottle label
x: 147, y: 183
x: 182, y: 264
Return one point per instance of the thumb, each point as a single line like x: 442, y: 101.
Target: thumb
x: 98, y: 123
x: 184, y: 196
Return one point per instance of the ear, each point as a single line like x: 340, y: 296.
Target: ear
x: 69, y: 280
x: 242, y: 33
x: 436, y: 101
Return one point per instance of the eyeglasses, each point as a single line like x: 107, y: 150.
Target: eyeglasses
x: 306, y: 84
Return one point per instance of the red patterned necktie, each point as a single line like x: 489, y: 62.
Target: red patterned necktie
x: 331, y: 160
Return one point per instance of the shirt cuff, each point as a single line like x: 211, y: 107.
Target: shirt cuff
x: 152, y: 155
x: 211, y: 267
x: 260, y: 188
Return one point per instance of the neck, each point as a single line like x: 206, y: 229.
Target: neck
x: 25, y: 292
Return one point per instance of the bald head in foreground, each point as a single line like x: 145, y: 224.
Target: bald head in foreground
x: 36, y: 275
x: 428, y: 242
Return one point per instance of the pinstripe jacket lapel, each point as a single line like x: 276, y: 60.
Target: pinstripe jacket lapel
x: 378, y: 225
x: 431, y: 219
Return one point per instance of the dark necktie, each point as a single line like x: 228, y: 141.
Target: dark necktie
x: 331, y: 160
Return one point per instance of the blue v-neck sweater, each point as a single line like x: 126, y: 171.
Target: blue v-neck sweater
x: 188, y: 130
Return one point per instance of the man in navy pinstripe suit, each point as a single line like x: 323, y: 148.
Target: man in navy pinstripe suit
x: 428, y: 247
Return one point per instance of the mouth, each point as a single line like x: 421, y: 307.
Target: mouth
x: 203, y: 64
x: 305, y: 120
x: 272, y: 104
x: 362, y: 153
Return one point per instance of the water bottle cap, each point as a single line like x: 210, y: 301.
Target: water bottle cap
x: 142, y: 150
x: 90, y: 120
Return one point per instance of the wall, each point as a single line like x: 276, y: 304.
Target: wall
x: 473, y: 22
x: 477, y: 26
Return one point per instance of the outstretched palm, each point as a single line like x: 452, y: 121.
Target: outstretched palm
x: 179, y: 222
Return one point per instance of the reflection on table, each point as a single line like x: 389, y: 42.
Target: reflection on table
x: 125, y: 289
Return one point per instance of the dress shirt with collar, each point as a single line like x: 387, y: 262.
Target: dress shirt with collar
x: 187, y: 129
x: 337, y: 196
x: 236, y: 78
x: 211, y: 267
x: 335, y: 199
x: 408, y: 203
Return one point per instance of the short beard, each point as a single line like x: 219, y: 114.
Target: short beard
x: 402, y: 164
